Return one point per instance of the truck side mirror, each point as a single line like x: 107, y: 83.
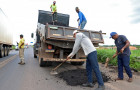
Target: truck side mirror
x: 32, y: 35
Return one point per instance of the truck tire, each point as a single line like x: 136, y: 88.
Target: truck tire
x: 34, y: 49
x: 8, y: 50
x: 1, y: 52
x: 77, y: 63
x: 5, y: 51
x: 35, y: 56
x: 42, y: 63
x: 48, y: 63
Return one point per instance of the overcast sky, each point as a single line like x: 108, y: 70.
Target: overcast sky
x: 121, y: 16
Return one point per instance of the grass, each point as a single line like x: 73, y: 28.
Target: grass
x: 13, y: 47
x: 134, y: 61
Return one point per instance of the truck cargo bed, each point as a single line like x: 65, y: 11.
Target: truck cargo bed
x: 60, y: 35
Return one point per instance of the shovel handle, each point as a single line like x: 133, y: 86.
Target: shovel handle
x: 59, y: 65
x: 117, y: 54
x: 108, y: 59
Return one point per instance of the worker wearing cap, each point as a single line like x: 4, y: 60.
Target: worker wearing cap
x: 21, y: 50
x: 54, y: 11
x: 82, y: 19
x: 91, y: 63
x: 122, y: 45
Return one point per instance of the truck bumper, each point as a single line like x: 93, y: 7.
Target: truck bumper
x: 60, y: 60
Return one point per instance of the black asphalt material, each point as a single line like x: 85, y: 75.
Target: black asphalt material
x: 78, y: 77
x: 46, y: 17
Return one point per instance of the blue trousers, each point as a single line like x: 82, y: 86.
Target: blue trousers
x: 92, y: 64
x: 123, y: 61
x: 83, y: 24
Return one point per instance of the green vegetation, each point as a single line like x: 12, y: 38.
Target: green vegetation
x: 137, y: 46
x: 13, y: 47
x: 134, y: 60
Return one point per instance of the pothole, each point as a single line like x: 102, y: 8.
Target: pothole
x: 79, y: 76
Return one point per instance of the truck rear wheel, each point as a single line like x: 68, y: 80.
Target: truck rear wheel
x: 5, y: 51
x: 35, y: 56
x: 77, y: 63
x: 1, y: 52
x: 8, y: 50
x: 42, y: 63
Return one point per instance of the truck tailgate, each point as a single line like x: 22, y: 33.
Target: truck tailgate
x: 66, y: 33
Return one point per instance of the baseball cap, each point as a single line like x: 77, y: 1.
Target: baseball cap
x: 112, y: 34
x: 75, y: 31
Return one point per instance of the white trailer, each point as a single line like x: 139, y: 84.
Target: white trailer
x: 6, y: 36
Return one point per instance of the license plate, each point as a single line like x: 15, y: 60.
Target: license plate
x: 49, y: 50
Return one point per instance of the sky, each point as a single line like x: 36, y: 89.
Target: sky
x: 121, y: 16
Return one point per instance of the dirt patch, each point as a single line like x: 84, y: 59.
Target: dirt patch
x: 78, y: 77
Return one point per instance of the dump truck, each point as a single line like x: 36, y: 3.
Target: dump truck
x: 54, y: 40
x: 6, y: 38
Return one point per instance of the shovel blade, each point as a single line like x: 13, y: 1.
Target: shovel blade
x: 107, y: 61
x: 53, y: 72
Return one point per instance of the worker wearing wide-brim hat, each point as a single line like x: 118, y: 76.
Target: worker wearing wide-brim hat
x: 122, y: 45
x: 83, y: 41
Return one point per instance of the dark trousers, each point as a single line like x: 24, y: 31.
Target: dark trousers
x: 123, y: 61
x: 54, y: 16
x: 92, y: 64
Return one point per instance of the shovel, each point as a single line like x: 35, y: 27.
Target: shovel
x: 108, y: 59
x: 54, y: 72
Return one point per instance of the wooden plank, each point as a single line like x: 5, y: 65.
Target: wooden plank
x: 58, y: 60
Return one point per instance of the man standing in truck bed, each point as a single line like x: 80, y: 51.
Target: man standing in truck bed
x: 82, y: 19
x: 54, y: 11
x: 21, y: 50
x: 91, y: 63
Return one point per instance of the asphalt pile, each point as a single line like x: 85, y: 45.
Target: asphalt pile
x: 78, y: 77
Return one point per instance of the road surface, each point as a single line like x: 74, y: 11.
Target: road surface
x: 32, y: 77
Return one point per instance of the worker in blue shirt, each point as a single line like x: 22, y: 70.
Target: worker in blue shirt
x: 82, y: 19
x: 122, y: 45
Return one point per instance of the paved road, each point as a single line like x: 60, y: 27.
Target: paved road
x: 32, y: 77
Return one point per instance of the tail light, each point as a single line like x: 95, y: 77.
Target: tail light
x: 49, y: 46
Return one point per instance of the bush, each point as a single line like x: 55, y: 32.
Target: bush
x: 13, y: 47
x: 104, y: 53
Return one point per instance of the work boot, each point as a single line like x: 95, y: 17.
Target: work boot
x: 100, y: 88
x: 23, y: 63
x: 130, y: 80
x: 118, y: 79
x: 88, y: 85
x: 20, y: 62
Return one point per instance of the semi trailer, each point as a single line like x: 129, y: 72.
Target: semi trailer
x: 6, y: 38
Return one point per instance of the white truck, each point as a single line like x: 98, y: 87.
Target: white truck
x: 6, y: 38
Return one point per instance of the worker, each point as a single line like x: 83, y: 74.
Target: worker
x: 91, y: 63
x: 122, y: 45
x: 21, y: 50
x: 54, y: 11
x: 82, y: 19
